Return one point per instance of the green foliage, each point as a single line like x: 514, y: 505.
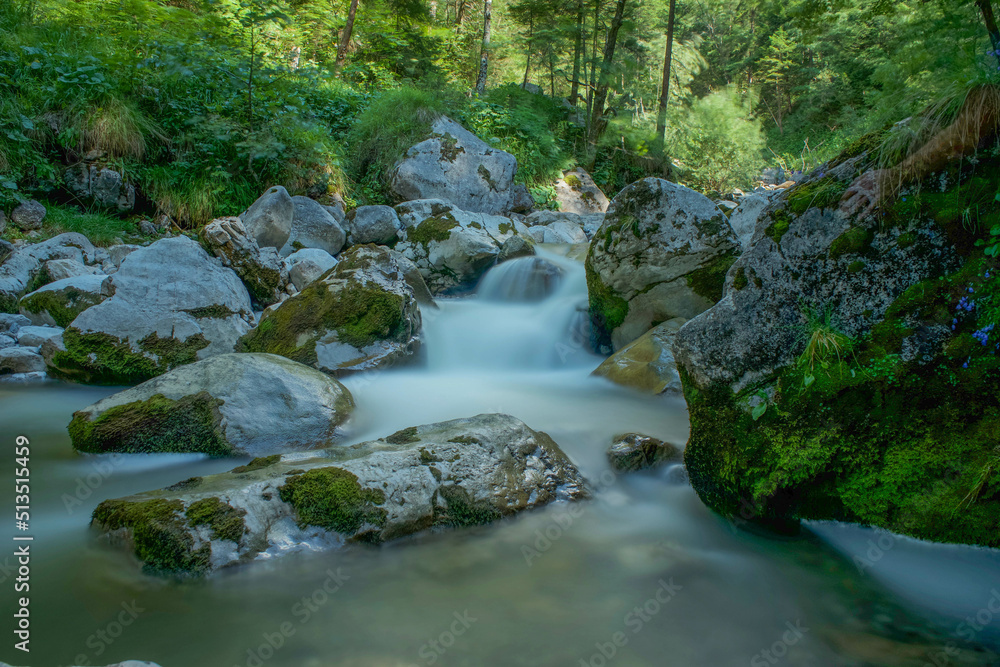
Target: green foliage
x: 719, y: 147
x: 381, y: 134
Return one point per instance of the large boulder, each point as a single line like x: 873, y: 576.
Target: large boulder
x: 850, y: 371
x: 451, y: 247
x: 457, y: 166
x: 313, y: 226
x: 269, y: 219
x: 360, y: 316
x: 576, y: 192
x: 372, y: 224
x: 59, y: 303
x: 24, y: 270
x: 464, y: 472
x: 228, y: 405
x: 103, y: 186
x: 261, y: 269
x: 647, y: 363
x: 172, y: 304
x: 662, y: 252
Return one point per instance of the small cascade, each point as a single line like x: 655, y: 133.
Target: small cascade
x: 529, y: 313
x: 521, y: 279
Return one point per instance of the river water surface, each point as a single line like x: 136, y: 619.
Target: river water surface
x: 642, y: 575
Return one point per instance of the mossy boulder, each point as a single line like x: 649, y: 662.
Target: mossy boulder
x: 459, y: 473
x: 58, y: 303
x: 261, y: 269
x: 844, y: 377
x: 171, y: 305
x: 361, y: 315
x: 452, y: 248
x: 662, y: 252
x: 647, y: 363
x: 228, y: 405
x: 457, y: 166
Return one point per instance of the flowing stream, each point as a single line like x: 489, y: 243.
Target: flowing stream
x: 641, y: 575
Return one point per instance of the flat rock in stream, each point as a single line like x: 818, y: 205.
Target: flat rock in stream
x: 459, y: 473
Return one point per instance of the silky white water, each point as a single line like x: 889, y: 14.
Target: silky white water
x: 641, y: 575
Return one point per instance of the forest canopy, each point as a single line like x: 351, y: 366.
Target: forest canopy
x: 204, y: 103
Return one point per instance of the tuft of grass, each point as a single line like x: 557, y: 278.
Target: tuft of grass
x: 100, y: 228
x: 116, y: 127
x: 825, y: 343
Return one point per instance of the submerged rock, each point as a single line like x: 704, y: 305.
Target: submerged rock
x: 647, y: 363
x: 261, y: 269
x: 634, y: 451
x: 459, y: 473
x: 172, y: 304
x: 662, y: 252
x: 845, y: 375
x: 229, y: 405
x: 459, y: 167
x: 360, y: 316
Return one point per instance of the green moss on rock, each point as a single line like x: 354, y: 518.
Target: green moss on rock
x: 158, y: 424
x: 854, y: 241
x: 607, y: 310
x: 404, y: 436
x: 159, y: 533
x: 225, y: 520
x: 463, y: 510
x: 100, y: 358
x: 359, y: 313
x: 882, y: 437
x: 332, y: 498
x: 62, y: 305
x: 709, y: 280
x: 258, y: 463
x: 437, y: 228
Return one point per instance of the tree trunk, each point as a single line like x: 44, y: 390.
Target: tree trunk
x: 345, y: 37
x: 668, y: 54
x: 574, y: 92
x: 593, y: 64
x: 460, y: 14
x: 484, y: 59
x: 597, y: 122
x: 527, y: 64
x: 986, y: 7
